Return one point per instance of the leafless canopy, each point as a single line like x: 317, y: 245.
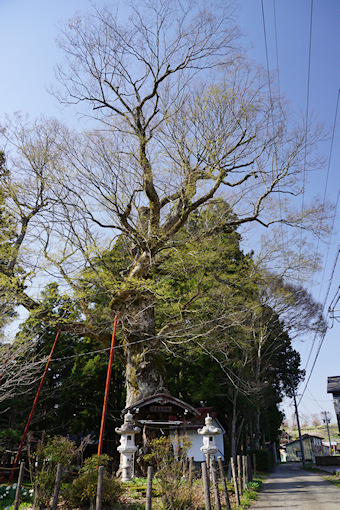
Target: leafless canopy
x: 19, y: 369
x: 185, y: 119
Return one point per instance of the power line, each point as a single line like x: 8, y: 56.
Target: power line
x: 331, y: 309
x: 306, y: 127
x: 315, y: 359
x: 324, y: 333
x: 326, y: 185
x: 308, y: 93
x: 266, y: 48
x: 271, y: 100
x: 331, y: 233
x: 324, y: 306
x: 307, y: 118
x: 313, y: 398
x: 276, y: 46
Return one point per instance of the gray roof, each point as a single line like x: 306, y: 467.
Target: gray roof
x: 161, y: 399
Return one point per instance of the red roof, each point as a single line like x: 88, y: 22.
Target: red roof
x: 199, y: 421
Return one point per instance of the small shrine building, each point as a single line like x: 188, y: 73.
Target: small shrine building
x: 164, y: 415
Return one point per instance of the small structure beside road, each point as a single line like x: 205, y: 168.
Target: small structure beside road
x: 333, y: 386
x: 333, y: 446
x: 312, y: 446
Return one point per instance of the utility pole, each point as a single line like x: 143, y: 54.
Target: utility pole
x: 299, y: 428
x: 327, y: 420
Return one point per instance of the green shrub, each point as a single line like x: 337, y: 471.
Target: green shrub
x: 168, y: 459
x: 22, y: 506
x: 255, y: 485
x: 10, y: 434
x: 56, y: 450
x: 7, y: 495
x: 82, y: 493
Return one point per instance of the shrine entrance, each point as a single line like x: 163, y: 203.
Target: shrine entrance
x: 160, y: 415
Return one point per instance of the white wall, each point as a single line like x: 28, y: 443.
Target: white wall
x: 197, y: 441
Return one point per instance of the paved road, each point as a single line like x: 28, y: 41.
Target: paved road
x: 290, y: 487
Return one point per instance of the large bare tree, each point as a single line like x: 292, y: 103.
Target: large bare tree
x: 183, y: 119
x: 20, y: 369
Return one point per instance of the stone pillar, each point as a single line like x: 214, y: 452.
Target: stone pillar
x: 127, y: 445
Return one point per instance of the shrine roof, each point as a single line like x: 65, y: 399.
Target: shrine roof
x: 161, y: 399
x: 199, y: 421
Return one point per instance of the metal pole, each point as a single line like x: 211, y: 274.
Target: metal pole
x: 326, y: 420
x: 107, y: 387
x: 299, y: 429
x: 33, y: 408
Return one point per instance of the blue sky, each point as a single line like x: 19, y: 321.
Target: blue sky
x: 305, y: 49
x: 28, y: 55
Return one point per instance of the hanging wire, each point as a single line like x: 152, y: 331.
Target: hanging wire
x: 284, y: 240
x: 276, y: 46
x: 323, y: 308
x: 314, y: 399
x: 325, y: 193
x: 307, y: 102
x: 307, y: 118
x: 333, y: 222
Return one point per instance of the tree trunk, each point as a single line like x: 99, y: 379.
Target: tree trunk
x: 261, y: 341
x: 233, y: 427
x: 257, y: 428
x: 145, y: 370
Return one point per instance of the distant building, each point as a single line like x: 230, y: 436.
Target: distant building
x: 334, y: 446
x: 333, y: 386
x: 285, y: 437
x: 312, y: 447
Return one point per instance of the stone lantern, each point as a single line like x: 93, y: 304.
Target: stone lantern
x: 127, y: 445
x: 209, y: 433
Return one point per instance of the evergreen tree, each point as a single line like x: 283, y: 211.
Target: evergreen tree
x: 72, y: 396
x: 7, y: 246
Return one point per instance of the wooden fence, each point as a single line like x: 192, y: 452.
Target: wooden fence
x: 212, y: 474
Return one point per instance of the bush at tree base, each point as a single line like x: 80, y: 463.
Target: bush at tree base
x: 49, y: 454
x: 169, y: 457
x: 82, y: 493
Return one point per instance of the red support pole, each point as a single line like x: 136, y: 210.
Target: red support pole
x: 107, y: 387
x: 33, y: 408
